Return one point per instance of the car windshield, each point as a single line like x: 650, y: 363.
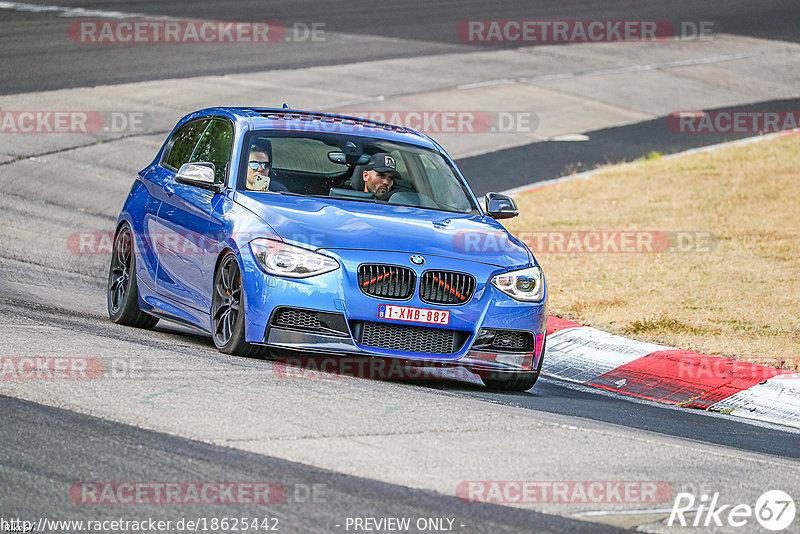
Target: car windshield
x: 351, y: 168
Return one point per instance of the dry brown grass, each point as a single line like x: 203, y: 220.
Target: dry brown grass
x: 741, y: 300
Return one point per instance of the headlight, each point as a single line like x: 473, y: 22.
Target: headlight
x: 526, y: 284
x: 280, y: 259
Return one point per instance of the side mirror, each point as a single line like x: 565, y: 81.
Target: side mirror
x: 200, y: 174
x: 500, y: 206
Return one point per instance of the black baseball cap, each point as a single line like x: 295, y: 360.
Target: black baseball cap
x: 382, y: 162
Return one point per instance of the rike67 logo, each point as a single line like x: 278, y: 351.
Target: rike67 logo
x: 774, y: 511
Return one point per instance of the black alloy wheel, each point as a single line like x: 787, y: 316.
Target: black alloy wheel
x: 227, y: 311
x: 123, y: 294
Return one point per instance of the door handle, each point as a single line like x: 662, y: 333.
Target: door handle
x: 169, y: 189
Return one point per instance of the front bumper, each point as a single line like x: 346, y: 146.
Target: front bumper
x: 476, y: 360
x: 337, y: 294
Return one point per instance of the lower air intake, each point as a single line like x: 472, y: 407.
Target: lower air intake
x: 410, y: 338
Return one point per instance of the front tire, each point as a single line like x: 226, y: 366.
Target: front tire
x: 122, y: 294
x: 502, y: 381
x: 519, y: 381
x: 227, y: 311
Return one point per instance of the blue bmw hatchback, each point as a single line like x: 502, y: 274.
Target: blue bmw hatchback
x: 279, y: 229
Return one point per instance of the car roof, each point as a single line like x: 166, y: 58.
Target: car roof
x: 286, y: 119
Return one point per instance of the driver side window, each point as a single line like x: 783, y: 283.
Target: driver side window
x: 183, y: 143
x: 215, y: 147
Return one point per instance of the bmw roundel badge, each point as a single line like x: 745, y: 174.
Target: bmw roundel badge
x: 416, y: 259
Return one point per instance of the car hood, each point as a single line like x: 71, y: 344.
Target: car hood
x: 323, y: 223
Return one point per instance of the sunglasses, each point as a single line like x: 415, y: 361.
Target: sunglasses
x: 255, y: 165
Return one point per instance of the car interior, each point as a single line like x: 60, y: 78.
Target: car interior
x: 332, y: 166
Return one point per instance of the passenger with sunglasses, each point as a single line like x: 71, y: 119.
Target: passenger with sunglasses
x: 259, y: 173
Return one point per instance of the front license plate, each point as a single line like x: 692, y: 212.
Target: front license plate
x: 413, y: 315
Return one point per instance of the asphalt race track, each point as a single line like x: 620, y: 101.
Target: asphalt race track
x: 408, y: 28
x: 142, y: 452
x: 170, y: 408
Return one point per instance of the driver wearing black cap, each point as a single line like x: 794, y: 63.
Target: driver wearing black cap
x: 380, y: 175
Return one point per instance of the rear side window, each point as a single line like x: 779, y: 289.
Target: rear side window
x: 183, y: 142
x: 215, y: 147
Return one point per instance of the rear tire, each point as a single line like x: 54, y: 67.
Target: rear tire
x: 519, y: 381
x: 122, y: 294
x: 227, y: 311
